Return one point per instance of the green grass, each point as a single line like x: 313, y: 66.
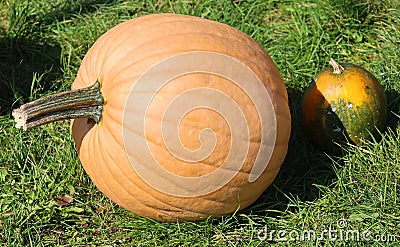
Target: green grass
x: 41, y: 46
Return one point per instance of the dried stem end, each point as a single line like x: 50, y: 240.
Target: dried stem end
x: 80, y: 103
x: 337, y: 68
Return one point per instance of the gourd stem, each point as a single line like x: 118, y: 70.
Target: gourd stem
x: 79, y: 103
x: 337, y: 68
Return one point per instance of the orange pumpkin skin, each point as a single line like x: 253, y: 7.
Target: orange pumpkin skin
x: 118, y: 59
x: 343, y: 107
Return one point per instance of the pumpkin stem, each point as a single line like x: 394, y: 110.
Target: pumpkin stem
x: 80, y: 103
x: 337, y: 68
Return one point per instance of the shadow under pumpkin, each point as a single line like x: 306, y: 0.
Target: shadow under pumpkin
x: 307, y: 165
x: 303, y: 168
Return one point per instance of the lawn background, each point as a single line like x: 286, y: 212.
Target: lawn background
x: 41, y: 46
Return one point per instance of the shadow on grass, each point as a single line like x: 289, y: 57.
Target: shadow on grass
x: 23, y: 65
x: 303, y: 168
x: 29, y: 60
x: 306, y: 166
x: 393, y: 100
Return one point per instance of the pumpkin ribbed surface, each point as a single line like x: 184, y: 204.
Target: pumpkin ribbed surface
x: 122, y: 58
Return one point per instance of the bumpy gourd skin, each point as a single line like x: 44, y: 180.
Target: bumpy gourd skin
x: 349, y: 106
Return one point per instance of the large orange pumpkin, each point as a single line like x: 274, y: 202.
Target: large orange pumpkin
x: 192, y: 117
